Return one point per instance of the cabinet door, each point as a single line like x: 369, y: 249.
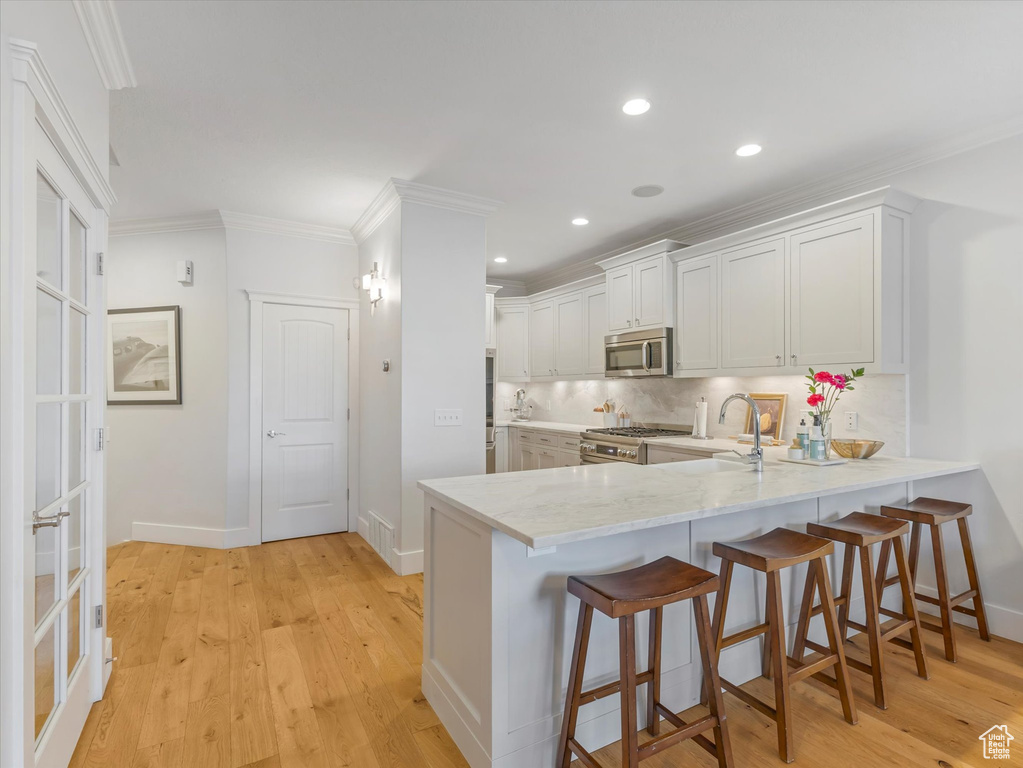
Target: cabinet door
x: 490, y: 335
x: 547, y: 458
x: 620, y: 296
x: 541, y: 340
x: 831, y: 273
x: 569, y: 458
x: 569, y: 348
x: 596, y: 329
x: 696, y: 315
x: 528, y: 457
x: 512, y: 343
x: 753, y: 306
x: 649, y: 279
x: 501, y: 449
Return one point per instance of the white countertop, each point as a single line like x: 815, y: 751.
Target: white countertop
x: 547, y: 426
x: 547, y: 507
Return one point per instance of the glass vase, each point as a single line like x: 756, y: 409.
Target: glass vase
x: 826, y: 432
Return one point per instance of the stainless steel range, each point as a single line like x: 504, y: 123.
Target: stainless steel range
x: 624, y: 443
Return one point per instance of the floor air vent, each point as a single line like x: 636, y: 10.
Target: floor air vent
x: 381, y: 536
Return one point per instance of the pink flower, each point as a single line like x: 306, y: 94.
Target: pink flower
x: 839, y: 381
x: 815, y: 400
x: 823, y: 377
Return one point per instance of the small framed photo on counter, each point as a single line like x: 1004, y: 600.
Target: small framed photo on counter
x: 772, y: 414
x: 144, y: 356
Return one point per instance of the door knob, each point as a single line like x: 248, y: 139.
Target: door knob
x: 274, y: 433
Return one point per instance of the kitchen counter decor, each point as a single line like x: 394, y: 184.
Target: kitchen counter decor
x: 825, y: 390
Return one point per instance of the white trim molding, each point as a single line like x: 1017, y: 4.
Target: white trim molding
x: 190, y: 536
x: 396, y: 191
x: 160, y: 224
x: 106, y: 43
x: 233, y: 220
x: 253, y: 535
x: 27, y: 67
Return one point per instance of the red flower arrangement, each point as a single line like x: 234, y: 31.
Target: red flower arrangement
x: 826, y: 388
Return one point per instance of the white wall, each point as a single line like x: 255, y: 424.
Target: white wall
x: 188, y: 465
x: 167, y: 464
x: 966, y: 372
x: 443, y: 306
x: 262, y: 261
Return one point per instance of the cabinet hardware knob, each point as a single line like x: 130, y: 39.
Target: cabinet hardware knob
x: 793, y: 359
x: 778, y: 358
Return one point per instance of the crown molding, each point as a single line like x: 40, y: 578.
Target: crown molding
x: 160, y: 224
x: 106, y: 42
x: 397, y: 191
x: 792, y: 200
x: 511, y: 288
x: 27, y: 67
x: 234, y: 220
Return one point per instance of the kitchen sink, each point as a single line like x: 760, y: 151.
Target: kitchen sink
x: 704, y: 466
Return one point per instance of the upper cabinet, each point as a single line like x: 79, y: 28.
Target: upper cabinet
x: 490, y: 318
x: 512, y: 341
x: 640, y: 291
x: 569, y: 349
x: 753, y: 306
x: 823, y: 288
x: 595, y: 309
x: 541, y: 340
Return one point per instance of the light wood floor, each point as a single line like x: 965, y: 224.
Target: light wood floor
x: 306, y: 653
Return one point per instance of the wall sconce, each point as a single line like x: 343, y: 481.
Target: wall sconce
x: 373, y: 284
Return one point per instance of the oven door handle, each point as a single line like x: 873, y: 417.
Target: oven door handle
x: 646, y: 355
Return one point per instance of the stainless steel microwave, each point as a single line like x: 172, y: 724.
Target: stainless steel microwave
x: 639, y: 353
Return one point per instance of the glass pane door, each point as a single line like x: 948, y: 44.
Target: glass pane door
x: 61, y: 425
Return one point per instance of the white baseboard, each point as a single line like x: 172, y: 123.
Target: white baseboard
x: 407, y: 563
x: 362, y: 528
x: 211, y: 538
x: 1004, y: 622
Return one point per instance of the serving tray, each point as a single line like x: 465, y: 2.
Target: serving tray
x: 816, y: 462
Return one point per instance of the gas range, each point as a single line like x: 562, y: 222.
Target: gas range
x: 626, y: 444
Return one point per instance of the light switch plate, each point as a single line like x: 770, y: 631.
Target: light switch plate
x: 447, y: 417
x: 852, y: 421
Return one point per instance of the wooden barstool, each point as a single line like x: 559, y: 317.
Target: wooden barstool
x: 621, y: 596
x: 934, y: 513
x: 777, y: 549
x: 858, y: 532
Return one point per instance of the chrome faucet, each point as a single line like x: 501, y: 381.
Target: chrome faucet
x: 756, y: 456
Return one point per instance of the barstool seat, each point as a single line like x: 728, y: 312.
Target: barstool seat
x: 776, y: 549
x: 621, y: 596
x: 643, y: 588
x: 859, y: 529
x: 934, y: 513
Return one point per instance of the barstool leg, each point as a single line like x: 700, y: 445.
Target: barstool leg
x: 575, y: 683
x: 831, y: 625
x: 803, y: 627
x: 720, y: 606
x: 845, y: 591
x: 914, y: 550
x: 776, y: 637
x: 653, y: 720
x: 916, y: 635
x: 971, y: 572
x: 627, y: 654
x: 715, y: 702
x: 872, y: 623
x: 944, y: 597
x: 882, y: 567
x: 765, y: 659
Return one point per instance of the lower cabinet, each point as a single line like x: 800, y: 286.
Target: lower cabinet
x: 501, y: 449
x: 532, y: 449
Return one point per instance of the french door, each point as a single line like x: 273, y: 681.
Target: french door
x: 63, y: 560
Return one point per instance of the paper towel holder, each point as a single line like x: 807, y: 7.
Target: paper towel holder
x: 696, y: 420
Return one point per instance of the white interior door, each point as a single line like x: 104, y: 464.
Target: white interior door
x: 305, y: 421
x: 63, y: 530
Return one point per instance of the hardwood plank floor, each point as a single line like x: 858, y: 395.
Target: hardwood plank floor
x: 306, y: 653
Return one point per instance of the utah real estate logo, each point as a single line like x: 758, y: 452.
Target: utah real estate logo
x: 996, y: 743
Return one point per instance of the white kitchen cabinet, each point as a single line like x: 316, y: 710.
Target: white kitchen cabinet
x: 620, y: 298
x: 569, y: 351
x: 595, y: 305
x: 490, y: 317
x: 753, y: 305
x: 548, y: 458
x: 696, y: 315
x: 513, y: 342
x: 501, y: 463
x: 831, y: 279
x: 569, y: 458
x: 650, y: 277
x: 541, y: 340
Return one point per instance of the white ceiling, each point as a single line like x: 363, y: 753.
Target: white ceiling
x: 302, y: 110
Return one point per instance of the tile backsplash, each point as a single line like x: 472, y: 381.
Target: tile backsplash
x: 879, y: 401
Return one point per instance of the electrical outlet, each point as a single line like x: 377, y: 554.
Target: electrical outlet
x: 447, y: 417
x: 852, y: 421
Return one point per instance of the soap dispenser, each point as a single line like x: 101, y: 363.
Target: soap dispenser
x: 803, y: 435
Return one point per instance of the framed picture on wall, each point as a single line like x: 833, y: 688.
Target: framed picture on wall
x: 772, y: 414
x: 144, y: 356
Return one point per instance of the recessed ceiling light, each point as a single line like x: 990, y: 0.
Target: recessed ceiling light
x: 500, y: 260
x: 635, y: 106
x: 648, y: 190
x: 580, y: 222
x: 748, y: 150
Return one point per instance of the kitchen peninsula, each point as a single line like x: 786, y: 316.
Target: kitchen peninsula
x: 498, y: 622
